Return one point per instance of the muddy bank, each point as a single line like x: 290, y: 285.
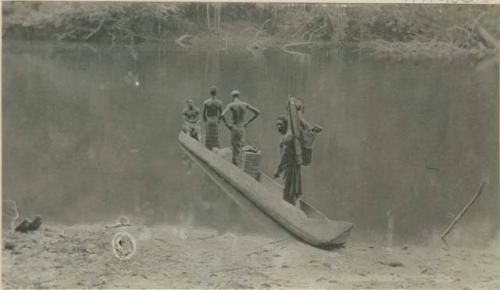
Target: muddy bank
x: 81, y: 256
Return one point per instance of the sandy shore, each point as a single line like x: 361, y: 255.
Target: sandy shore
x: 81, y: 256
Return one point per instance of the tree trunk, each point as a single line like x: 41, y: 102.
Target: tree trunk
x: 219, y: 17
x: 159, y: 26
x: 275, y: 15
x: 208, y: 17
x: 217, y: 10
x: 198, y: 13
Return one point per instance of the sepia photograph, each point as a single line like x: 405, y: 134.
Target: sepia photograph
x: 251, y: 145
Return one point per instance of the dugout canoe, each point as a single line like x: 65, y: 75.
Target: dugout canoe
x: 306, y: 223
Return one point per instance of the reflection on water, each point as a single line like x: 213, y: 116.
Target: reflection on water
x: 94, y: 130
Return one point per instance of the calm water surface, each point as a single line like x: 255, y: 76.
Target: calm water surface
x: 409, y: 140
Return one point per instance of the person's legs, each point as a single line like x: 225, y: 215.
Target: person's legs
x: 297, y: 184
x: 185, y: 127
x: 292, y: 188
x: 236, y: 142
x: 212, y: 133
x: 197, y: 131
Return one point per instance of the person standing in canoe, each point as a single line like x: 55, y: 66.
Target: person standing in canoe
x: 212, y: 109
x: 296, y: 148
x: 289, y: 165
x: 191, y: 115
x: 237, y: 128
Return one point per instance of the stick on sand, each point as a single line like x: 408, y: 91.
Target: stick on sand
x: 459, y: 216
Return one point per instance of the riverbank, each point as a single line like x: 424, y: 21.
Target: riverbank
x: 395, y: 31
x: 187, y: 257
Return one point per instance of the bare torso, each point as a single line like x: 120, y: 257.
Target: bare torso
x: 238, y: 112
x: 191, y: 115
x: 212, y: 107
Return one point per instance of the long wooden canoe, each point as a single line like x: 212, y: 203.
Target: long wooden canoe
x: 306, y: 223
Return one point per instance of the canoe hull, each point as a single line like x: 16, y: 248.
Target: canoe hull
x: 316, y: 229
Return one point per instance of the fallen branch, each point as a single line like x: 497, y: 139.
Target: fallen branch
x: 147, y: 37
x: 316, y: 30
x: 416, y: 49
x: 262, y: 27
x: 117, y: 226
x: 462, y: 212
x: 286, y: 48
x: 94, y: 31
x: 488, y: 40
x: 62, y: 36
x: 255, y: 47
x: 299, y: 29
x: 179, y: 41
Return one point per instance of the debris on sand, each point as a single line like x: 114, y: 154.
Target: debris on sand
x: 424, y: 271
x: 84, y: 258
x: 9, y: 245
x: 392, y: 264
x: 121, y: 221
x: 29, y: 224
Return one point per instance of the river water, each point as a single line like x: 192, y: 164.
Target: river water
x: 403, y: 141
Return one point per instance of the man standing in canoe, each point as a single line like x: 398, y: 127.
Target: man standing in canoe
x: 296, y: 147
x: 289, y: 164
x: 212, y: 109
x: 237, y: 128
x: 191, y: 116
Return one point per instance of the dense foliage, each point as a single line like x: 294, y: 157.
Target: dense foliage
x: 338, y: 24
x: 87, y: 21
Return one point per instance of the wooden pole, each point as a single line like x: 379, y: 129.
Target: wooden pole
x: 462, y: 212
x: 294, y: 126
x: 390, y: 228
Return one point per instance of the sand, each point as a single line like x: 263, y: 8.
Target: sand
x: 81, y: 256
